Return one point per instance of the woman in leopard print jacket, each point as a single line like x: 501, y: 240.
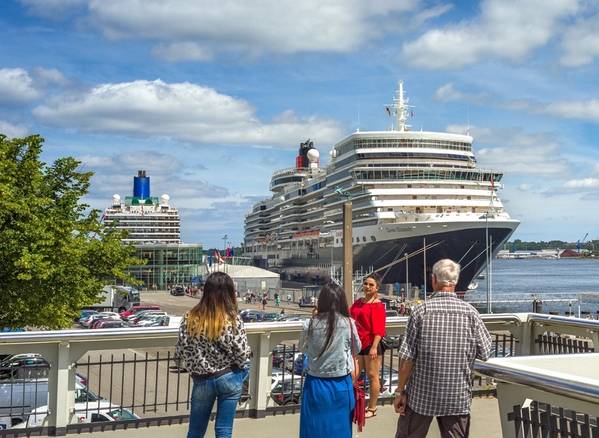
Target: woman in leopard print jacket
x: 214, y: 349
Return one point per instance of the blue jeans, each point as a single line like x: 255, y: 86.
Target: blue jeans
x: 226, y: 390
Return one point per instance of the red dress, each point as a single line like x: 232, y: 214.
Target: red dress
x: 370, y: 320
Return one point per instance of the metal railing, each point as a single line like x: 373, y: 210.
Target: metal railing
x: 135, y: 370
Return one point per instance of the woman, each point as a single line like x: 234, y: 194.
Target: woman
x: 369, y: 314
x: 214, y: 348
x: 330, y: 341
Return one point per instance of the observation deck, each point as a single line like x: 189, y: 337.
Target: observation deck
x: 542, y: 380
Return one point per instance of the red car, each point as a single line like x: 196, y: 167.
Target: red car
x: 134, y: 309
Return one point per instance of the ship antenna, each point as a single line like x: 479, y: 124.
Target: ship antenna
x: 400, y: 109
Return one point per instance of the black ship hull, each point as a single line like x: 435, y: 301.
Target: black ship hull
x: 466, y: 247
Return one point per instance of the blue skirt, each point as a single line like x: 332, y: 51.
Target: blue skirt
x: 327, y: 406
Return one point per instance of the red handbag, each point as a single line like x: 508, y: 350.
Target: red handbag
x: 359, y: 416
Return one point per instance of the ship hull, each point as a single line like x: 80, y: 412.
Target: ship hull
x: 463, y: 244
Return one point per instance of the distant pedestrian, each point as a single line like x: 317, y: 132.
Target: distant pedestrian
x: 328, y: 395
x: 277, y: 300
x: 288, y: 298
x: 264, y: 302
x: 443, y: 338
x: 214, y: 348
x: 369, y: 313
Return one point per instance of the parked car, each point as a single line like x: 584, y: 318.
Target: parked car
x: 18, y: 399
x: 85, y: 313
x: 251, y: 315
x: 178, y: 291
x: 135, y: 309
x: 287, y: 392
x: 133, y: 320
x: 153, y: 321
x: 109, y: 323
x: 24, y: 366
x: 102, y: 411
x: 87, y: 322
x: 271, y: 316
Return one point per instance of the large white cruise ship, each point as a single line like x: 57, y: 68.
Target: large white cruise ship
x: 416, y: 196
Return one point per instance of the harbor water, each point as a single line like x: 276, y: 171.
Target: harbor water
x: 562, y: 284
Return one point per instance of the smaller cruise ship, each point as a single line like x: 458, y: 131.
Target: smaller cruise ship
x: 417, y: 197
x: 147, y: 219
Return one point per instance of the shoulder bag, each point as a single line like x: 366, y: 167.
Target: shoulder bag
x: 359, y: 415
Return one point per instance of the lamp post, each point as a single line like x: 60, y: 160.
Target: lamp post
x: 348, y: 268
x: 407, y: 282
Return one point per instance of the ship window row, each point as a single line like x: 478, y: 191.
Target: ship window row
x: 285, y: 180
x: 411, y: 143
x: 426, y: 174
x: 425, y: 156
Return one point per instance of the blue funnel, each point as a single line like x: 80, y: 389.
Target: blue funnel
x: 141, y: 185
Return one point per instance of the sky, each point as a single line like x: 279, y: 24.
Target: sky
x: 210, y: 97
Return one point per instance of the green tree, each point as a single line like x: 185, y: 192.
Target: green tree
x: 55, y: 254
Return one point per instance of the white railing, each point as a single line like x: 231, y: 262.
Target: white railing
x: 63, y: 349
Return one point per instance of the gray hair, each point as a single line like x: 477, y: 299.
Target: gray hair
x: 446, y: 272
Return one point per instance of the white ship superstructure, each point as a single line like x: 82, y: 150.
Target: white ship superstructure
x: 147, y: 219
x: 413, y: 193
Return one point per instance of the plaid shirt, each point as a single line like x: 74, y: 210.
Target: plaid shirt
x: 443, y: 337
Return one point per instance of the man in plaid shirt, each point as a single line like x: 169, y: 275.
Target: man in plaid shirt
x: 443, y: 337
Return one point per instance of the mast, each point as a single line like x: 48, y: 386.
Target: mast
x: 400, y: 109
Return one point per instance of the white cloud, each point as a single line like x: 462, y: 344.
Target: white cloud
x: 16, y: 86
x: 447, y: 93
x: 12, y: 131
x: 583, y: 109
x: 581, y: 42
x: 182, y: 111
x: 50, y: 76
x: 524, y: 154
x: 182, y: 51
x: 508, y: 29
x: 585, y: 183
x: 276, y: 26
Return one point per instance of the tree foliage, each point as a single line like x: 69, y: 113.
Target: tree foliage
x: 55, y: 254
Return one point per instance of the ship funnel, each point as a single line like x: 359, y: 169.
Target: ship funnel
x: 141, y: 185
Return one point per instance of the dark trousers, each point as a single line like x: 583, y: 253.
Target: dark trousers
x: 414, y: 425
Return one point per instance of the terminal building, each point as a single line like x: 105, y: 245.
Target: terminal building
x: 153, y: 226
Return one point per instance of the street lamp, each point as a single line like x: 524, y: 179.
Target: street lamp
x: 407, y: 282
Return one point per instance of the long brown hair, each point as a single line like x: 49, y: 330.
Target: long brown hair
x: 331, y: 304
x: 216, y: 309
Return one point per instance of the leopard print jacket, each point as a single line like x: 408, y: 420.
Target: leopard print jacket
x: 202, y: 356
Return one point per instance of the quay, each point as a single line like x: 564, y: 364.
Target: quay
x: 543, y: 373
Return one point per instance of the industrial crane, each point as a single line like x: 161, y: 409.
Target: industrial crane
x: 581, y: 242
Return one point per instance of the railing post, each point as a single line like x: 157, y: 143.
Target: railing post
x: 61, y: 385
x: 508, y: 396
x: 527, y: 345
x: 260, y: 379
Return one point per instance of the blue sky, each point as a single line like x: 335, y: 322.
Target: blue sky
x: 210, y: 97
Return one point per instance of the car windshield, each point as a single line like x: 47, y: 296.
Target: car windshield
x: 122, y: 414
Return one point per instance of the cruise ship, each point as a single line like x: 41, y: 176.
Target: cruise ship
x: 417, y: 197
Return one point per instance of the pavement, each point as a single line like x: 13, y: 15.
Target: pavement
x: 178, y: 305
x: 485, y: 423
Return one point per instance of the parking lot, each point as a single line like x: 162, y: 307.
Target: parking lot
x: 178, y: 305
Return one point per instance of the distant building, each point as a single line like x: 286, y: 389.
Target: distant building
x: 153, y: 227
x: 146, y: 219
x: 569, y: 253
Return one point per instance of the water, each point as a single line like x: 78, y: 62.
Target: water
x: 550, y: 279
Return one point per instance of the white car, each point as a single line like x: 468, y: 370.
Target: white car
x: 91, y: 412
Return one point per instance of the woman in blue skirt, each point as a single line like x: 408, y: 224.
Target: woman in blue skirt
x: 330, y: 341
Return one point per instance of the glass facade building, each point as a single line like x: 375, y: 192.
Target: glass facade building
x: 168, y: 265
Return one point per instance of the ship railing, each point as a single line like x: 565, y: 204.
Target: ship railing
x: 136, y: 369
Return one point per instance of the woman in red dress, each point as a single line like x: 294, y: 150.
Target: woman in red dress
x: 370, y: 317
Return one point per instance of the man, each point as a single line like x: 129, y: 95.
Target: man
x: 443, y: 337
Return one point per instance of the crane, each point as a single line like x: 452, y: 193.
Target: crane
x: 581, y: 242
